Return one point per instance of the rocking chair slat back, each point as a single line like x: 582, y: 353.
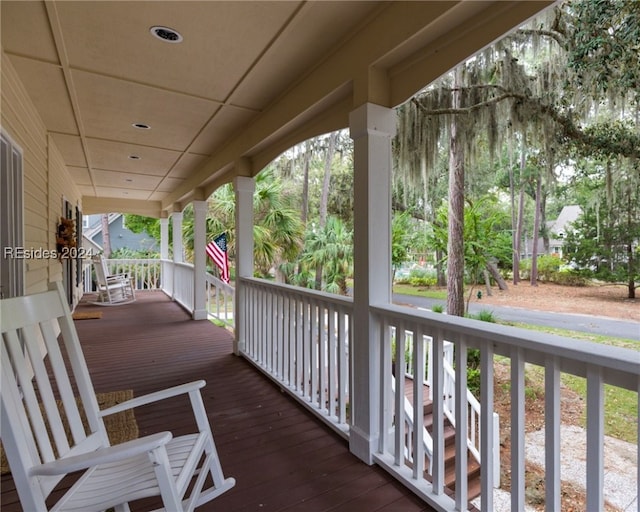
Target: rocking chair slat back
x: 29, y: 331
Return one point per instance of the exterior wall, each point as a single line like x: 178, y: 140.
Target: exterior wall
x: 46, y: 180
x: 121, y: 237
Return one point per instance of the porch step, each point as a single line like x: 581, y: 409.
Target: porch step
x: 473, y: 467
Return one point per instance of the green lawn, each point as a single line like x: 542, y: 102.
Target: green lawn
x: 620, y: 405
x: 418, y: 291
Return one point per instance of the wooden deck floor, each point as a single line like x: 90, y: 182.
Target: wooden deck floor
x: 280, y: 456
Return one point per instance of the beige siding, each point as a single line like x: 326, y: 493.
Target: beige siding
x: 46, y: 180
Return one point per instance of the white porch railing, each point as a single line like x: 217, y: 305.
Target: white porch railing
x: 220, y: 300
x: 156, y: 274
x: 599, y: 364
x: 300, y: 338
x: 167, y: 277
x: 183, y: 285
x: 146, y: 273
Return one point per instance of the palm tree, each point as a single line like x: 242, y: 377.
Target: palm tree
x: 277, y: 231
x: 331, y: 249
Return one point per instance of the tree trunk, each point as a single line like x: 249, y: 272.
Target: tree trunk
x: 487, y: 281
x: 441, y: 279
x: 106, y: 237
x: 304, y: 214
x: 493, y: 270
x: 515, y: 256
x: 305, y: 183
x: 324, y: 198
x: 630, y: 259
x: 455, y: 244
x: 536, y: 233
x: 543, y: 220
x: 520, y: 217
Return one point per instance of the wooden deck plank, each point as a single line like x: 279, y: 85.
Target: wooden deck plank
x: 281, y: 456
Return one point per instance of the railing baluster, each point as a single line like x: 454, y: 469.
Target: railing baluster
x: 269, y: 331
x: 343, y: 367
x: 487, y: 437
x: 461, y: 424
x: 437, y: 380
x: 386, y: 394
x: 418, y: 402
x: 299, y: 346
x: 400, y: 434
x: 552, y: 434
x: 307, y: 334
x: 517, y: 430
x: 595, y: 439
x: 332, y: 385
x: 314, y: 342
x: 322, y: 355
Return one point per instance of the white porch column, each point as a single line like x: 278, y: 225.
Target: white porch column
x: 199, y: 260
x: 178, y: 252
x: 371, y: 128
x: 164, y: 239
x: 176, y: 218
x: 244, y: 188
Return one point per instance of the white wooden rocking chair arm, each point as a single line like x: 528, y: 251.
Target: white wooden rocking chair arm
x: 103, y: 455
x: 116, y: 278
x: 154, y: 397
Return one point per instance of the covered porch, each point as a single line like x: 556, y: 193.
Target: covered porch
x: 282, y: 458
x: 113, y: 131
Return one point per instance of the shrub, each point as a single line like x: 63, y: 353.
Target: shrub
x: 473, y: 381
x: 548, y: 266
x: 422, y: 277
x: 486, y: 316
x: 571, y: 278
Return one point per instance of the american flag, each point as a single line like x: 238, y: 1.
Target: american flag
x: 217, y: 251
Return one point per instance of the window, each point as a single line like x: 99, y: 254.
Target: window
x: 11, y: 219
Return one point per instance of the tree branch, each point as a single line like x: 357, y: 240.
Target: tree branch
x: 463, y: 110
x: 557, y: 36
x: 627, y: 145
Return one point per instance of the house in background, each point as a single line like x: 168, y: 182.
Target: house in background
x: 121, y: 236
x: 557, y: 230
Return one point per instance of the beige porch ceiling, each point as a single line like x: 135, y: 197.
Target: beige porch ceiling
x: 248, y: 80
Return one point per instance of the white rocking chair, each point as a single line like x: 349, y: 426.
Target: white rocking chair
x: 39, y: 452
x: 113, y: 289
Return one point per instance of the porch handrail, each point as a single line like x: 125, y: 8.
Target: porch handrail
x: 599, y: 364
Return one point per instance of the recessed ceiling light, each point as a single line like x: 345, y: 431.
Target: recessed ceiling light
x: 166, y: 34
x: 134, y: 157
x: 141, y: 126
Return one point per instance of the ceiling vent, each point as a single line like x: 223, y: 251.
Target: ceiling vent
x: 166, y: 34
